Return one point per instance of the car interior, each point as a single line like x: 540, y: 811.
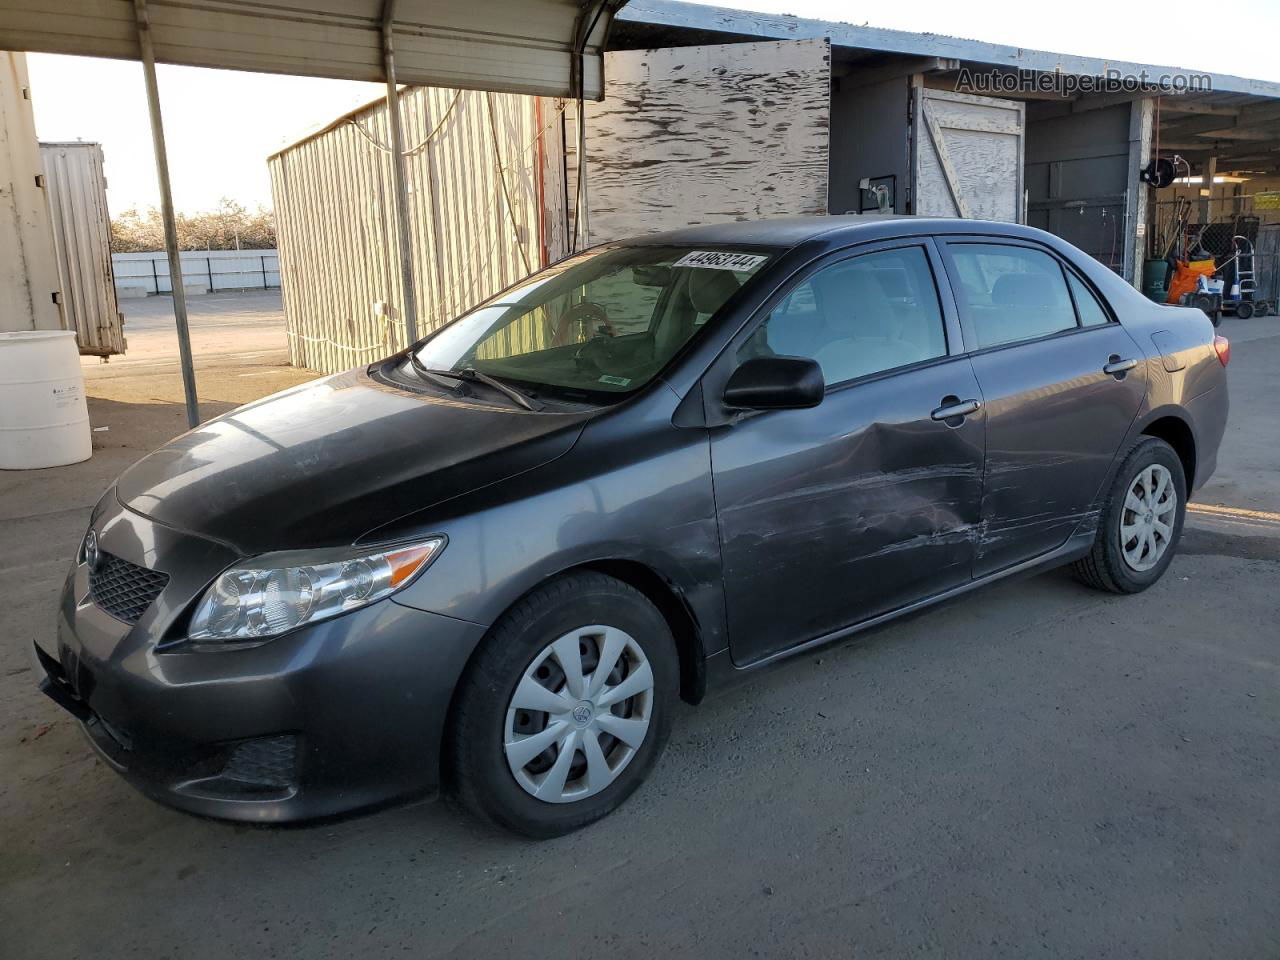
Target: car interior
x: 1012, y: 293
x: 857, y: 317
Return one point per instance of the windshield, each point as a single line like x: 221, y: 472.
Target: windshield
x: 596, y: 325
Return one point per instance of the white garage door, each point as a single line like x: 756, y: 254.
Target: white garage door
x: 968, y: 156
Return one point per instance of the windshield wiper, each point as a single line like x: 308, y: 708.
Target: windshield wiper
x: 472, y: 375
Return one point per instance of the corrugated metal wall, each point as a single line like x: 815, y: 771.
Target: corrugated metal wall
x: 77, y: 192
x: 486, y: 196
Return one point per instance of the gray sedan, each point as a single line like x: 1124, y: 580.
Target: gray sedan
x: 493, y: 561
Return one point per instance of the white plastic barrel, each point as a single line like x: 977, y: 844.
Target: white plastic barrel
x: 44, y: 421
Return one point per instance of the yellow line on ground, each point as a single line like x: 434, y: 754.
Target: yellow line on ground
x: 1234, y: 512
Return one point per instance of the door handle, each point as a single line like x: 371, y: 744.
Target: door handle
x: 1117, y: 367
x: 956, y: 408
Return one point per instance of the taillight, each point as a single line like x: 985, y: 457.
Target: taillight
x: 1223, y: 346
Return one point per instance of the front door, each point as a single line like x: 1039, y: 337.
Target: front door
x: 832, y: 515
x: 1062, y: 381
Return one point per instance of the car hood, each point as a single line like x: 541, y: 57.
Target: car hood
x: 323, y: 463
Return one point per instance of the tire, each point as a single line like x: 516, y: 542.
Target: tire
x: 522, y: 646
x: 1108, y: 566
x: 1244, y: 310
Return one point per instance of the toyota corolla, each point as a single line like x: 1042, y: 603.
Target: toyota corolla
x: 493, y: 562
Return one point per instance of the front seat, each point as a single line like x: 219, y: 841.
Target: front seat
x: 705, y: 292
x: 861, y: 327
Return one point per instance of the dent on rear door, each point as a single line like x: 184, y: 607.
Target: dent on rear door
x: 1055, y: 422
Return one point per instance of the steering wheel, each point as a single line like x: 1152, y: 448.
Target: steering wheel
x: 588, y: 312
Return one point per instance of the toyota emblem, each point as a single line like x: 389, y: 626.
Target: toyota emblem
x: 92, y: 556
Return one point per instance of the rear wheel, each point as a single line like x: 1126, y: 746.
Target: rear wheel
x: 1244, y: 310
x: 566, y: 707
x: 1141, y: 521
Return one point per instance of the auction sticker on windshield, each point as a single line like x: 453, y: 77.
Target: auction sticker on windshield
x: 720, y: 260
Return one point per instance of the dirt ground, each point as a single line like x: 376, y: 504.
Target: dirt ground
x: 1037, y: 770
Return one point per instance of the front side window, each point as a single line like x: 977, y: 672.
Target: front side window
x: 601, y: 324
x: 859, y: 316
x: 1011, y: 293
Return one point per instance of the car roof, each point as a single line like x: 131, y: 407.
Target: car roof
x: 852, y: 228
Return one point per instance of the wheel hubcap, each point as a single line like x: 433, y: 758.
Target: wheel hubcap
x: 579, y: 714
x: 1146, y: 522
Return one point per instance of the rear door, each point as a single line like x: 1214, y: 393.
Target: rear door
x: 1062, y: 382
x: 832, y: 515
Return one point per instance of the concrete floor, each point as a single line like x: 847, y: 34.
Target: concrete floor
x: 1038, y: 770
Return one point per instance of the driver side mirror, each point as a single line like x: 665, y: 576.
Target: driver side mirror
x: 775, y: 383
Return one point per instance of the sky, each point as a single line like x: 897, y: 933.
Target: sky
x: 220, y: 125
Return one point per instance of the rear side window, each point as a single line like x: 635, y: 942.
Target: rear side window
x: 1011, y: 293
x: 1087, y: 305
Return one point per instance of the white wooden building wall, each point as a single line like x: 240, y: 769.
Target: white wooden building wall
x: 481, y: 218
x: 692, y: 135
x: 968, y: 156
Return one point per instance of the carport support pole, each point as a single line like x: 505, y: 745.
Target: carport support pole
x: 398, y: 188
x: 1207, y: 174
x: 166, y: 211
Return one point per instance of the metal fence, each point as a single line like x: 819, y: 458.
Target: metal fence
x: 1175, y: 228
x: 214, y: 270
x: 1176, y: 224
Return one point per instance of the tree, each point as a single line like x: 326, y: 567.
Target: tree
x: 229, y: 227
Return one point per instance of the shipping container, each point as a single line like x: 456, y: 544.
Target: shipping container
x: 77, y: 194
x: 28, y: 280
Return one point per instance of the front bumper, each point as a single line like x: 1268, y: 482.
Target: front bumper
x: 330, y: 719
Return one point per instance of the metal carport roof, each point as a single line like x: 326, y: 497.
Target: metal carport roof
x: 547, y: 47
x: 515, y: 46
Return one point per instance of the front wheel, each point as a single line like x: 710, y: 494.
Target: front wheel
x: 565, y: 708
x: 1141, y: 521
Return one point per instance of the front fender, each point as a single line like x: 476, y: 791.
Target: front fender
x: 654, y: 509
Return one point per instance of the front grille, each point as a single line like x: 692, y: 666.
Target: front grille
x: 124, y: 589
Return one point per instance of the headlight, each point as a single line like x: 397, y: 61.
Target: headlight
x: 278, y: 592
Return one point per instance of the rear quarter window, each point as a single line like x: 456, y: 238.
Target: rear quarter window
x: 1092, y: 313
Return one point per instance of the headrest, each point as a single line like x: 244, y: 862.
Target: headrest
x: 709, y: 289
x: 893, y: 281
x: 1023, y: 290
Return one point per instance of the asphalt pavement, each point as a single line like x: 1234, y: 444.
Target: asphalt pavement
x: 1037, y: 770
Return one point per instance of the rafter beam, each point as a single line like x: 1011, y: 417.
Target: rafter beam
x: 1181, y: 105
x: 1101, y: 101
x: 902, y: 67
x: 1241, y: 133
